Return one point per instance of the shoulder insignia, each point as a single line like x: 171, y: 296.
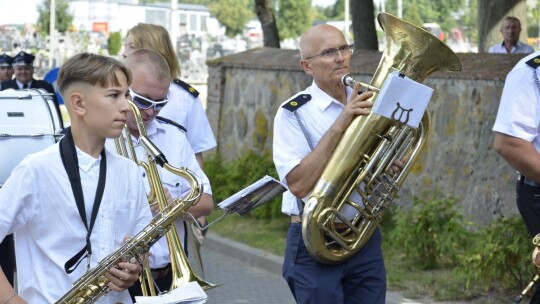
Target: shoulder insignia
x: 187, y: 87
x: 298, y: 101
x: 170, y: 122
x: 534, y: 62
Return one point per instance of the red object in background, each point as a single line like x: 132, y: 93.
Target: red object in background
x: 100, y: 27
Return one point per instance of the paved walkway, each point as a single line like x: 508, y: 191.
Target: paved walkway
x: 250, y: 275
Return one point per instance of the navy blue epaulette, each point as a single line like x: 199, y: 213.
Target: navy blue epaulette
x: 534, y: 62
x: 296, y: 102
x: 168, y: 121
x: 187, y: 87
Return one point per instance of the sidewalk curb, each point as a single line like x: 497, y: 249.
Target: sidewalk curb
x: 254, y: 257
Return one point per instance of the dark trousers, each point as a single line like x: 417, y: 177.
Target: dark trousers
x: 361, y: 279
x: 528, y: 203
x: 7, y: 257
x: 163, y: 283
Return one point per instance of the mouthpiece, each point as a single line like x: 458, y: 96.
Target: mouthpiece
x: 348, y: 80
x: 153, y: 151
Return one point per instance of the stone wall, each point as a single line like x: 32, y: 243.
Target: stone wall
x: 245, y: 91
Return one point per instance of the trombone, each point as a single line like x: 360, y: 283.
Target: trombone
x: 182, y: 272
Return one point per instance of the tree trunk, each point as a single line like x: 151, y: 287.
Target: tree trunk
x: 266, y: 16
x: 363, y: 24
x: 491, y: 13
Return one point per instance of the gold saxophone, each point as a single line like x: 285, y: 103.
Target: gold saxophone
x: 93, y: 284
x: 368, y: 149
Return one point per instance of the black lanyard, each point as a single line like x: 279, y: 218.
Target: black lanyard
x: 71, y: 164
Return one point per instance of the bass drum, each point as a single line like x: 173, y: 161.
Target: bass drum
x: 29, y: 122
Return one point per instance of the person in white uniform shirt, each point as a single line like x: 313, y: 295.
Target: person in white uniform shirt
x: 510, y: 30
x: 41, y: 205
x: 149, y: 91
x: 307, y: 129
x: 516, y: 138
x: 184, y: 107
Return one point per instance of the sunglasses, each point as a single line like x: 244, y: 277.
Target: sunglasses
x: 144, y: 103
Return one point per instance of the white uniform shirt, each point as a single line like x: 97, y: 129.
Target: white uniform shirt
x: 290, y: 144
x: 174, y: 145
x: 38, y: 206
x: 519, y: 48
x: 186, y: 110
x: 519, y: 109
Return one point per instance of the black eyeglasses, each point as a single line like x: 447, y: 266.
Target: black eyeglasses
x: 145, y: 103
x: 346, y: 49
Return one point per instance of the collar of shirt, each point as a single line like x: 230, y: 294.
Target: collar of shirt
x: 322, y: 99
x: 152, y: 128
x: 515, y: 48
x: 20, y: 84
x: 86, y: 161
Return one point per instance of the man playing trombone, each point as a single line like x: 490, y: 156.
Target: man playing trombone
x: 148, y: 92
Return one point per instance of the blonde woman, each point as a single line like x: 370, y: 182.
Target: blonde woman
x: 184, y: 108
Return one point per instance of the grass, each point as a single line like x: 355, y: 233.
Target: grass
x: 425, y: 286
x: 267, y: 235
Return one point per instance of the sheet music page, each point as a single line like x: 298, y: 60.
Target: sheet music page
x: 403, y: 99
x: 253, y: 196
x: 190, y: 293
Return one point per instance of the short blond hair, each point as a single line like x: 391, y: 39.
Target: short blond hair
x: 90, y: 69
x: 156, y: 37
x: 152, y: 61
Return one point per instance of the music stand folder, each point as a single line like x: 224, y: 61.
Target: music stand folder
x: 253, y: 196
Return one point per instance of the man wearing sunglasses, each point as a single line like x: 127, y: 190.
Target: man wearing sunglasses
x: 148, y: 91
x: 307, y: 129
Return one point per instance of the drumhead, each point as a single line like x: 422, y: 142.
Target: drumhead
x: 29, y: 122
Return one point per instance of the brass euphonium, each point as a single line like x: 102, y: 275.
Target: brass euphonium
x: 182, y: 272
x: 368, y: 149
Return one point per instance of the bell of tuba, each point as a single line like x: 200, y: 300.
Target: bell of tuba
x: 368, y: 149
x: 182, y: 272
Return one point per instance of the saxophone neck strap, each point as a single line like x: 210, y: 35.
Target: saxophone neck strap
x: 71, y: 164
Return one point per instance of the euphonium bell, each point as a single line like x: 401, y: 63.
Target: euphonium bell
x: 369, y: 147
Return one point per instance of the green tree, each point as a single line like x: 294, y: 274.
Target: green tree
x: 469, y: 19
x: 293, y: 18
x: 233, y: 14
x: 114, y: 43
x: 418, y: 12
x: 413, y: 14
x: 63, y: 17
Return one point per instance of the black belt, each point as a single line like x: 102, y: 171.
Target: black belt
x: 158, y: 273
x: 527, y: 181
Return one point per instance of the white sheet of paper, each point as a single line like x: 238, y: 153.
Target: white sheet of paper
x: 253, y: 195
x: 403, y: 99
x: 190, y: 293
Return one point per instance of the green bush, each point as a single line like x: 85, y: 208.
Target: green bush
x: 114, y: 43
x: 431, y: 233
x: 500, y: 255
x: 227, y: 178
